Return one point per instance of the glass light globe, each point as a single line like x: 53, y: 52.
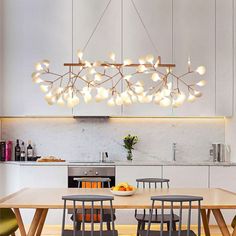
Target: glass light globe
x: 134, y: 98
x: 98, y: 77
x: 102, y: 92
x: 87, y: 97
x: 157, y: 98
x: 112, y: 56
x: 44, y: 88
x: 127, y: 101
x: 127, y: 62
x: 157, y: 63
x: 98, y: 98
x: 165, y: 92
x: 73, y: 101
x: 35, y: 74
x: 60, y: 101
x: 175, y: 104
x: 141, y: 68
x: 37, y: 80
x: 201, y: 70
x: 181, y: 97
x: 50, y: 98
x: 127, y: 77
x: 111, y: 102
x: 155, y: 77
x: 201, y: 83
x: 46, y: 63
x: 119, y: 100
x: 148, y: 99
x: 165, y: 102
x: 150, y: 58
x: 59, y: 90
x: 92, y: 71
x: 80, y: 54
x: 141, y: 60
x: 87, y: 64
x: 191, y: 98
x: 38, y: 66
x: 97, y: 63
x: 197, y: 93
x: 138, y: 88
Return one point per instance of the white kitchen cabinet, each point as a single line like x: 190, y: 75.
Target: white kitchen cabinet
x: 2, y: 180
x: 187, y: 176
x: 43, y: 176
x: 129, y: 174
x: 33, y: 31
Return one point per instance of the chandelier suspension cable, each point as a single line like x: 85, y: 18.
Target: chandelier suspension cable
x: 144, y: 26
x: 96, y: 26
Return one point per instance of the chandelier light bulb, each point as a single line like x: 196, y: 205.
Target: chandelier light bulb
x: 127, y: 77
x: 150, y: 58
x: 165, y: 92
x: 138, y: 88
x: 165, y: 102
x: 201, y: 70
x: 79, y: 54
x: 37, y: 80
x: 191, y: 98
x: 197, y: 94
x: 127, y: 62
x: 127, y: 101
x: 92, y: 71
x: 98, y: 77
x: 97, y: 63
x: 119, y: 100
x: 158, y: 97
x: 155, y: 77
x: 61, y: 101
x: 112, y: 56
x: 134, y: 98
x: 87, y: 64
x: 141, y: 68
x: 38, y: 67
x: 44, y: 88
x: 157, y: 63
x: 142, y: 60
x: 102, y: 93
x: 201, y: 83
x: 111, y: 102
x: 87, y: 97
x: 73, y: 101
x: 46, y: 63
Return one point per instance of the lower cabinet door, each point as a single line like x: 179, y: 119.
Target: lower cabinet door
x: 187, y: 176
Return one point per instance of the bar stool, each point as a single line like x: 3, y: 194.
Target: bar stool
x: 144, y: 217
x: 175, y: 201
x: 94, y: 204
x: 97, y: 182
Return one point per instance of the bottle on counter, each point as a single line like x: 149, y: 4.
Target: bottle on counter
x: 17, y: 151
x: 22, y: 152
x: 8, y: 155
x: 30, y: 151
x: 2, y: 150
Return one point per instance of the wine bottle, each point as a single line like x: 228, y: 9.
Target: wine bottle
x: 2, y: 150
x: 30, y: 151
x: 22, y: 152
x: 17, y: 151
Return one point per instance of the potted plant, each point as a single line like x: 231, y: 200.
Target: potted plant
x: 129, y: 142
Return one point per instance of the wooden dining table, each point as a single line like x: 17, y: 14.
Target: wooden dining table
x: 43, y: 199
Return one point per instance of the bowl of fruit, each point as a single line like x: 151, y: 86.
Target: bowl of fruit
x: 123, y: 189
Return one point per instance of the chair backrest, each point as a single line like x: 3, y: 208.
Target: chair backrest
x: 169, y: 202
x: 152, y: 182
x: 90, y: 182
x: 87, y: 202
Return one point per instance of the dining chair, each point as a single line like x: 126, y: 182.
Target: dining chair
x: 8, y: 223
x: 144, y: 217
x: 168, y: 203
x: 94, y: 204
x: 89, y: 182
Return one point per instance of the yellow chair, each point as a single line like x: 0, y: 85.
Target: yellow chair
x: 8, y: 223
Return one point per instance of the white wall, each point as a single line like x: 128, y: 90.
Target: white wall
x: 83, y: 139
x: 1, y: 55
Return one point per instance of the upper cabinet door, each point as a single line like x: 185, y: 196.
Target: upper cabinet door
x: 105, y: 39
x: 194, y: 37
x: 33, y: 31
x: 156, y: 15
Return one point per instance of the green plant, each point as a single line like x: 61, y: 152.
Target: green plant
x: 129, y: 142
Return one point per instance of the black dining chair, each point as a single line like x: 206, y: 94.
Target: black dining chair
x: 169, y: 203
x: 94, y: 205
x: 144, y: 217
x: 94, y: 182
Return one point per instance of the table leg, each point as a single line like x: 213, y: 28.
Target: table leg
x: 221, y: 222
x: 234, y: 232
x: 208, y: 215
x: 41, y: 222
x: 20, y: 222
x: 205, y: 222
x: 35, y: 222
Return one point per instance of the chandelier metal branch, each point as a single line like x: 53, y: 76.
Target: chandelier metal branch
x: 101, y: 80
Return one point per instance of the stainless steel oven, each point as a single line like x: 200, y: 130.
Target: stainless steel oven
x: 90, y: 171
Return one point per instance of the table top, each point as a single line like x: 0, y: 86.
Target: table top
x: 51, y: 198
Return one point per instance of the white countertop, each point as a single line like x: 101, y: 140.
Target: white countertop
x: 119, y: 163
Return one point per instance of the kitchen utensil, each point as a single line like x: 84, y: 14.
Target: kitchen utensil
x: 221, y: 152
x: 103, y: 156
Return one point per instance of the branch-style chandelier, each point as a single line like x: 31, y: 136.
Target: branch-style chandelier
x: 102, y: 80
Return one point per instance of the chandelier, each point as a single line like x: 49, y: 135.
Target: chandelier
x: 101, y: 80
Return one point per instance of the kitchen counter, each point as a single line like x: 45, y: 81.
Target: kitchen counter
x: 119, y: 163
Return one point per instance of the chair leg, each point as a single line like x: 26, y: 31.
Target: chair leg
x: 143, y: 225
x: 174, y: 226
x: 78, y: 225
x: 108, y: 225
x: 168, y: 226
x: 138, y: 227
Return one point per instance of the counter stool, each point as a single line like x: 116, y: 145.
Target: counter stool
x: 144, y: 217
x: 90, y: 182
x: 94, y: 205
x: 174, y: 201
x: 8, y: 223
